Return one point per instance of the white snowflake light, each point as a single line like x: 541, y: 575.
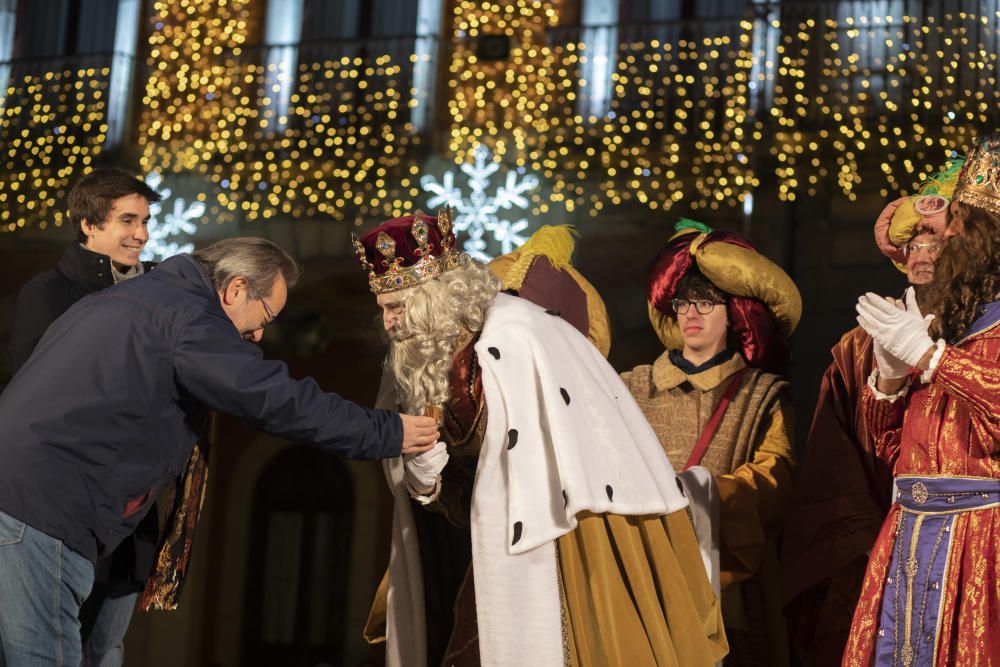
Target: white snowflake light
x: 478, y: 214
x: 175, y: 222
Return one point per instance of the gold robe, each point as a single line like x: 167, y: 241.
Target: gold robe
x: 752, y: 458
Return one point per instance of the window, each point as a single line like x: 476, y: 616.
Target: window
x: 299, y: 556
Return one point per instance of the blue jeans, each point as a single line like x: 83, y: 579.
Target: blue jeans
x: 42, y: 585
x: 104, y: 623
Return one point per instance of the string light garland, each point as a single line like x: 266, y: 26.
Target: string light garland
x: 703, y: 112
x: 852, y: 98
x: 210, y: 109
x: 52, y: 127
x: 898, y: 92
x: 699, y: 129
x: 680, y: 111
x: 522, y: 107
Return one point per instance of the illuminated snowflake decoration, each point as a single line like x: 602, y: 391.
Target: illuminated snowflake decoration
x: 478, y: 215
x: 176, y: 222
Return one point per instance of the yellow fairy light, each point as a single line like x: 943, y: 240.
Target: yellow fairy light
x: 835, y: 105
x: 213, y: 103
x: 52, y: 126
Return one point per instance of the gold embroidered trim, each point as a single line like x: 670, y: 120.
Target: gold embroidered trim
x: 979, y: 198
x: 945, y: 528
x: 563, y: 610
x: 955, y: 511
x: 930, y: 476
x: 900, y: 523
x: 911, y: 571
x: 966, y: 338
x: 401, y: 277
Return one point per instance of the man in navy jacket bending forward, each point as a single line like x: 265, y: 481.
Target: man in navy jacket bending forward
x: 106, y: 411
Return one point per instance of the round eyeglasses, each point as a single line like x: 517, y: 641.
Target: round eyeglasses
x: 701, y: 306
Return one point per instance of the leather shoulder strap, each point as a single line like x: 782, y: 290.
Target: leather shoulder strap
x: 712, y: 426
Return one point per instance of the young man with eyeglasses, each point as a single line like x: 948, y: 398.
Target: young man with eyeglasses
x: 723, y: 311
x: 843, y: 491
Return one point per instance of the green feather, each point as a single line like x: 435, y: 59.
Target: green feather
x: 943, y: 182
x: 688, y: 223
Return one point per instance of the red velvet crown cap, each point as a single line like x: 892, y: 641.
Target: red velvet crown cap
x: 407, y: 247
x: 406, y: 251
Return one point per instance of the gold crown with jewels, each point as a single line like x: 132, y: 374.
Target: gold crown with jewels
x: 407, y: 251
x: 979, y: 182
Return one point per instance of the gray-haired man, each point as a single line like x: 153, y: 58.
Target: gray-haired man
x: 90, y: 439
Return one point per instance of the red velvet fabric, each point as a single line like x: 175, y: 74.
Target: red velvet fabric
x: 555, y: 290
x: 750, y: 322
x: 407, y: 250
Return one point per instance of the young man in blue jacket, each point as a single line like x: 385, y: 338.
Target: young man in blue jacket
x: 109, y: 210
x: 91, y: 439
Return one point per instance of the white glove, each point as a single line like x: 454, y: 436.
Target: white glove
x: 889, y: 367
x: 901, y: 333
x: 423, y: 471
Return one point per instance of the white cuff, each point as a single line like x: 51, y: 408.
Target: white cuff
x: 925, y: 377
x: 873, y: 383
x: 425, y: 499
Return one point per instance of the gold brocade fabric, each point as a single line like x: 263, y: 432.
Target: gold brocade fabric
x: 185, y: 501
x: 375, y: 626
x: 950, y: 426
x: 462, y: 428
x: 628, y: 598
x: 751, y: 456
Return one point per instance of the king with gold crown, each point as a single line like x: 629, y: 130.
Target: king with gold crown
x: 549, y: 509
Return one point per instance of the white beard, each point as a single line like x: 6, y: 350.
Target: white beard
x: 421, y: 371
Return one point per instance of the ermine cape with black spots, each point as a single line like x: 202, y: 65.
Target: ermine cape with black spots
x: 563, y: 436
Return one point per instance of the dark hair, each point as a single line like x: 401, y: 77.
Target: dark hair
x: 966, y: 275
x: 694, y: 285
x: 93, y: 196
x: 256, y: 259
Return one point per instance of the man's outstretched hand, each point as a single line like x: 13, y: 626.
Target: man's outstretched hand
x: 419, y: 433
